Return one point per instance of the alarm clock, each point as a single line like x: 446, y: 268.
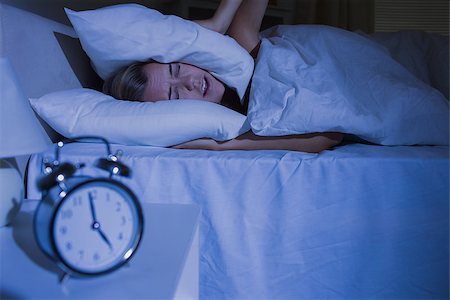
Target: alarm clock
x: 88, y: 226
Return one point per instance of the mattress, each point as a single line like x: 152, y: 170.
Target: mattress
x: 358, y: 221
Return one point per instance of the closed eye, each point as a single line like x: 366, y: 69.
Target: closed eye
x: 177, y: 74
x: 174, y: 72
x: 171, y: 76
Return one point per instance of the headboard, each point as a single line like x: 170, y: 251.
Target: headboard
x: 45, y: 54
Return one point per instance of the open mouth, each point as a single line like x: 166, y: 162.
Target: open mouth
x: 204, y: 86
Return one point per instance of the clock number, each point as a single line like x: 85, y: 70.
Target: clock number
x: 81, y: 254
x: 118, y: 206
x: 68, y: 246
x: 120, y: 237
x: 93, y: 193
x: 66, y: 214
x: 124, y: 221
x: 77, y: 201
x: 96, y: 256
x: 63, y: 230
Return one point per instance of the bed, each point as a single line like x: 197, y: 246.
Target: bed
x: 356, y: 221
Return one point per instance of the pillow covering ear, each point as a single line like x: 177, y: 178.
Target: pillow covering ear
x: 164, y: 123
x: 120, y: 35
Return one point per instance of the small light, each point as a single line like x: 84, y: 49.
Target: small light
x: 115, y: 170
x: 60, y: 144
x: 60, y: 177
x: 113, y: 158
x: 62, y: 194
x: 128, y: 254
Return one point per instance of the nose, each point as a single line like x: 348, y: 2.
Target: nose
x: 190, y: 82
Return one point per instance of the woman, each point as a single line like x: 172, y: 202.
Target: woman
x: 151, y: 81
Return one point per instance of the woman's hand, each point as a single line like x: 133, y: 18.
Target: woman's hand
x: 240, y: 19
x: 211, y: 25
x: 222, y: 16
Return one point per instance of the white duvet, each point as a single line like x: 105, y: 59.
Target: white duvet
x: 312, y: 78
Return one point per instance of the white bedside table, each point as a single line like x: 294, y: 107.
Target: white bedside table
x: 164, y: 267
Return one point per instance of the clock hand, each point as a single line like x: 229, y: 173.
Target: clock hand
x: 103, y: 235
x: 91, y: 204
x: 95, y: 224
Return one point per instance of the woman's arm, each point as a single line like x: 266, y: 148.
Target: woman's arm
x: 244, y: 20
x: 241, y: 19
x: 246, y: 23
x: 313, y: 143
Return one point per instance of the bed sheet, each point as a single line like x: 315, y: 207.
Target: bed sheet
x: 359, y: 221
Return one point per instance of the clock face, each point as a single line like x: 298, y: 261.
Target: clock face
x: 96, y: 227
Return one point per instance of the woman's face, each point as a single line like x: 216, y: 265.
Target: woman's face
x: 180, y: 81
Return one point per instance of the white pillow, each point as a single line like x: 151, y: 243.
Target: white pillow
x: 119, y: 35
x: 165, y: 123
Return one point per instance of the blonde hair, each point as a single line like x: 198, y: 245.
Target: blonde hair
x: 128, y: 83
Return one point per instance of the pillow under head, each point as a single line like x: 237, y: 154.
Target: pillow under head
x: 120, y: 35
x: 165, y: 123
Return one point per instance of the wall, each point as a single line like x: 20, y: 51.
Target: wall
x: 429, y: 15
x: 53, y: 9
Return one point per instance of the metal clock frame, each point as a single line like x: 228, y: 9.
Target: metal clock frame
x: 62, y: 262
x: 61, y: 197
